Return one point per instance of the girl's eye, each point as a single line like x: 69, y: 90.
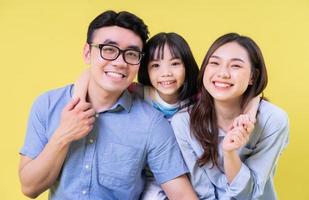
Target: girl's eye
x: 176, y: 63
x: 236, y: 66
x: 154, y: 65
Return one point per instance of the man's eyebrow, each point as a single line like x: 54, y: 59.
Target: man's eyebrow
x: 108, y: 41
x: 134, y: 47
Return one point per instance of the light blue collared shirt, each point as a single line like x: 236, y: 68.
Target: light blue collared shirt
x: 109, y: 163
x: 259, y: 158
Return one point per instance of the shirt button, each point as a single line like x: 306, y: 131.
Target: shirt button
x: 97, y: 115
x: 90, y: 141
x: 87, y: 167
x: 84, y: 191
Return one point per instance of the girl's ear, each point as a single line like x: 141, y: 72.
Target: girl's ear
x: 86, y: 53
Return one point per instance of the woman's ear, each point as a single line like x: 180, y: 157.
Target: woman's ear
x: 86, y: 53
x: 254, y: 76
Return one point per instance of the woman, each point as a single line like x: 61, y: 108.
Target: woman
x: 231, y: 160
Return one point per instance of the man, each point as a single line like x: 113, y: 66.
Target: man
x: 79, y: 157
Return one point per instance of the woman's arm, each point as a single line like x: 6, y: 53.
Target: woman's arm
x: 256, y: 170
x: 232, y: 142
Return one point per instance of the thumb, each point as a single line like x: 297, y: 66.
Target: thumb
x: 70, y: 106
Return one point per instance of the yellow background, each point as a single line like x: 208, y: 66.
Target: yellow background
x: 41, y: 46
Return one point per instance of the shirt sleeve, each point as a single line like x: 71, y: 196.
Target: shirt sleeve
x: 36, y: 139
x: 164, y: 157
x: 198, y: 176
x: 256, y: 170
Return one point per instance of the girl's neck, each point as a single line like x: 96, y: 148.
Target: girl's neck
x: 99, y: 98
x: 226, y: 113
x: 170, y: 99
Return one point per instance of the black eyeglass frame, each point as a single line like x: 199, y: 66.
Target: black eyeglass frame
x: 120, y: 51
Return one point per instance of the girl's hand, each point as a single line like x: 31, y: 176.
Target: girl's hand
x: 81, y: 86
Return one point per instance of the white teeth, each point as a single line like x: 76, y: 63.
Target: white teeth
x: 223, y: 85
x: 114, y: 74
x: 165, y: 83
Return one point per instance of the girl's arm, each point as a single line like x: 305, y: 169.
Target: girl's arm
x: 137, y: 88
x: 252, y: 108
x: 81, y: 85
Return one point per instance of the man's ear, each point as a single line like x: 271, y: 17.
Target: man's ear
x: 86, y: 53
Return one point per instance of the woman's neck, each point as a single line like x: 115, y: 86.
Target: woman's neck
x: 99, y: 98
x: 226, y: 113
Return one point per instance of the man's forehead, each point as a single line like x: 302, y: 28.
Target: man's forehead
x: 119, y: 36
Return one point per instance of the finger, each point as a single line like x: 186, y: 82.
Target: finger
x: 82, y: 106
x: 71, y: 105
x: 90, y: 121
x: 89, y: 113
x: 252, y: 119
x: 249, y: 127
x: 242, y: 130
x: 236, y: 139
x: 236, y: 121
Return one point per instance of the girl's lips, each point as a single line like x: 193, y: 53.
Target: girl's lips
x: 166, y: 83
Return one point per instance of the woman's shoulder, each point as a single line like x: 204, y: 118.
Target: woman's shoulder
x: 272, y: 119
x: 182, y: 116
x: 272, y: 112
x: 181, y: 122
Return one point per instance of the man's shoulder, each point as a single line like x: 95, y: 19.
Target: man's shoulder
x: 56, y: 92
x: 53, y: 96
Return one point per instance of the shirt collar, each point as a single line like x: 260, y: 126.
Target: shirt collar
x: 124, y: 101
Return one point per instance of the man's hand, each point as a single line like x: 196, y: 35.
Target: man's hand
x: 77, y: 119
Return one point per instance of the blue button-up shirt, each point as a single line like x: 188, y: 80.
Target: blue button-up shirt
x: 108, y: 163
x: 259, y: 157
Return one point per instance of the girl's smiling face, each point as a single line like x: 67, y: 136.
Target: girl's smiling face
x: 167, y: 75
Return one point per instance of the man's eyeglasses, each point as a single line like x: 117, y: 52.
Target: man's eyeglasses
x: 111, y: 52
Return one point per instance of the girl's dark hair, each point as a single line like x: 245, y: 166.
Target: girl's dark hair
x: 203, y: 118
x: 180, y: 49
x: 122, y: 19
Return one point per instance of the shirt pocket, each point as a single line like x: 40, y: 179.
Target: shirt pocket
x: 118, y: 165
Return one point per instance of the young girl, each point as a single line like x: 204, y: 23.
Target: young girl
x: 167, y: 81
x: 218, y: 152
